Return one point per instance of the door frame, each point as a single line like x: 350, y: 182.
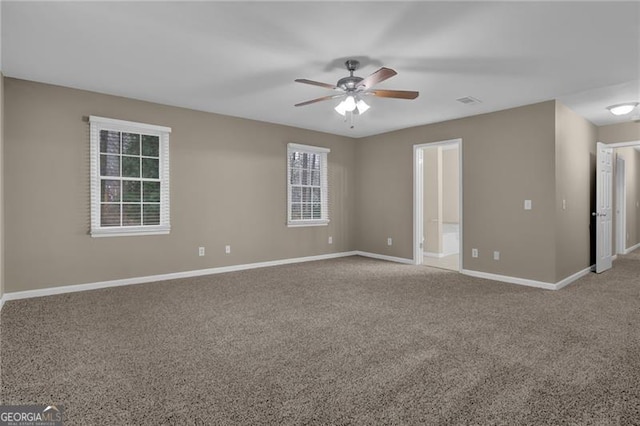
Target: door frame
x: 418, y: 198
x: 621, y: 206
x: 612, y: 146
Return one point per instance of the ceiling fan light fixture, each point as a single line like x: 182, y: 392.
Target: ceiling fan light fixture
x: 622, y: 109
x: 362, y: 106
x: 349, y: 103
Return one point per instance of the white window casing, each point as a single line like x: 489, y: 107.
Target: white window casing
x: 307, y: 186
x: 154, y: 210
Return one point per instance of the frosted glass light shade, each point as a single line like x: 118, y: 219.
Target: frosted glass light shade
x: 349, y: 103
x: 362, y: 106
x: 622, y: 109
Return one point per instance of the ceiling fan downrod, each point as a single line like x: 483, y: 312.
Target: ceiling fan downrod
x: 352, y: 65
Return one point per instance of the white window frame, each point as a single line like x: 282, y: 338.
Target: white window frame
x: 324, y: 202
x: 97, y: 124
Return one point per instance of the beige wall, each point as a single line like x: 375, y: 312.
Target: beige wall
x: 621, y: 132
x: 228, y: 186
x: 636, y: 181
x: 441, y: 194
x: 450, y: 186
x: 508, y: 156
x: 432, y: 200
x: 1, y: 185
x: 575, y: 181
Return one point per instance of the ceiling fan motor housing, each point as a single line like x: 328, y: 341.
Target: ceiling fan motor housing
x: 349, y: 83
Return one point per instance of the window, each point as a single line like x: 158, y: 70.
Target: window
x: 307, y: 185
x: 129, y: 178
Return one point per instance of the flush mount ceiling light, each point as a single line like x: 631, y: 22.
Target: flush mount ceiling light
x: 622, y: 109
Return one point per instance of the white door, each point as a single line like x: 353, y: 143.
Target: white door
x: 604, y: 213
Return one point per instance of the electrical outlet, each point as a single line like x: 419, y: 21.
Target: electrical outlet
x: 389, y: 241
x: 527, y: 204
x: 200, y: 251
x: 227, y: 249
x: 330, y: 240
x: 496, y: 255
x: 474, y: 252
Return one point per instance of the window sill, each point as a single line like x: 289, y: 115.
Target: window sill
x: 130, y: 232
x: 301, y: 224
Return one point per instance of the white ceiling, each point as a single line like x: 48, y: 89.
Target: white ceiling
x: 240, y: 58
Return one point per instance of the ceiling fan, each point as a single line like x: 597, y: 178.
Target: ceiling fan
x: 352, y: 89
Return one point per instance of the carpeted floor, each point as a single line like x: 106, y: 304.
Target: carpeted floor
x: 345, y: 341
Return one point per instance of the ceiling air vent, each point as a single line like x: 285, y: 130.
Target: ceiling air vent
x: 469, y: 100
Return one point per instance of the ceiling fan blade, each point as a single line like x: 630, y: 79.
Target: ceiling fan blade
x: 324, y: 98
x: 399, y: 94
x: 315, y: 83
x: 381, y: 75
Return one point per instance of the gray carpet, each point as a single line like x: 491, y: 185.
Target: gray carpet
x: 345, y: 341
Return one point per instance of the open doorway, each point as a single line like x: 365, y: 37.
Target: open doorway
x: 619, y: 230
x: 621, y: 206
x: 627, y: 198
x: 438, y: 204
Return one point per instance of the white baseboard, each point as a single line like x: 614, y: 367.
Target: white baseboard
x: 439, y: 255
x: 432, y: 254
x: 384, y: 257
x: 632, y: 248
x: 508, y: 279
x: 571, y: 278
x: 16, y: 295
x: 531, y: 283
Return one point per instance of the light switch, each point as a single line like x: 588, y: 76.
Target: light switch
x: 527, y: 204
